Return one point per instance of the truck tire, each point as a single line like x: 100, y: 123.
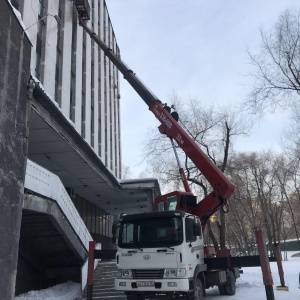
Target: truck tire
x: 197, y: 294
x: 230, y: 285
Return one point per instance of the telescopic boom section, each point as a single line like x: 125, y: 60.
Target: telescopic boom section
x: 222, y: 188
x: 128, y: 74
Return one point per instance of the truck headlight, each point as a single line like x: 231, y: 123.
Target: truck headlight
x: 174, y: 273
x: 124, y: 273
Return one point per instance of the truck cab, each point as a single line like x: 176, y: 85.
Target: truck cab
x: 159, y: 254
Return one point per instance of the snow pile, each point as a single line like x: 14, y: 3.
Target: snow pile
x: 66, y: 291
x: 248, y: 287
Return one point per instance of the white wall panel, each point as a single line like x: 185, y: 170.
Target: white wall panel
x: 106, y: 105
x: 50, y: 48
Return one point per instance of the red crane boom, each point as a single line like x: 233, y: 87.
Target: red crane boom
x: 221, y: 186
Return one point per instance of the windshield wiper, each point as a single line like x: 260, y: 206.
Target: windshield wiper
x: 134, y: 251
x: 164, y: 250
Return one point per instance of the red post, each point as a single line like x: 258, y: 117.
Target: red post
x: 265, y: 265
x: 279, y: 263
x: 90, y: 275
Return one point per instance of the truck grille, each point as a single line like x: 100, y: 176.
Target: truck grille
x: 148, y: 274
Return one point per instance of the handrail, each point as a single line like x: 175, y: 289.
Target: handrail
x: 45, y: 183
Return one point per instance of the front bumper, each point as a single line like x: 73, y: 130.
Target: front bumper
x: 160, y: 285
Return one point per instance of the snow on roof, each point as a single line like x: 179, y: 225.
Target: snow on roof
x: 19, y: 18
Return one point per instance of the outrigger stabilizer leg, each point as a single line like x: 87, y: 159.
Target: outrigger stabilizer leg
x: 281, y: 287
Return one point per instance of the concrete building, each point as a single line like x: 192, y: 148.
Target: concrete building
x: 75, y: 74
x: 69, y: 140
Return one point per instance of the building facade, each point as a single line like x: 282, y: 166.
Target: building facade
x: 14, y: 74
x: 64, y: 110
x: 75, y: 73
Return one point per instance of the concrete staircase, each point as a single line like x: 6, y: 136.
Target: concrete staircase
x: 104, y: 276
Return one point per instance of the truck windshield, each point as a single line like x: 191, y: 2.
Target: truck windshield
x: 151, y: 232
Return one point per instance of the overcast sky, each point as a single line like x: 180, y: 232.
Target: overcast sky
x: 195, y: 49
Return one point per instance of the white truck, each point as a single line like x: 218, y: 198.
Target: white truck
x: 161, y: 256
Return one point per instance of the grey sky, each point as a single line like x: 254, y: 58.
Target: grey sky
x: 194, y: 48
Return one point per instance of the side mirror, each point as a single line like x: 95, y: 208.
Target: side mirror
x: 197, y: 229
x: 114, y: 240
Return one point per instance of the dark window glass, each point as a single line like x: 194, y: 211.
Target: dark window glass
x: 172, y: 203
x: 189, y: 230
x: 147, y: 233
x: 73, y: 66
x: 39, y: 40
x: 160, y: 206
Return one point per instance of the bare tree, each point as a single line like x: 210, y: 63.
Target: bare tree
x: 245, y: 214
x: 126, y: 172
x: 291, y: 134
x: 288, y: 175
x: 277, y: 66
x: 266, y: 196
x: 268, y: 190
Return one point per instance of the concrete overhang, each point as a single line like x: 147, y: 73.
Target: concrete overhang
x: 55, y: 144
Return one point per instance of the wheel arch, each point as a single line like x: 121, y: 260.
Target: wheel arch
x: 200, y: 273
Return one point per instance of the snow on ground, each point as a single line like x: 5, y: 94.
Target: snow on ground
x: 248, y: 287
x: 65, y: 291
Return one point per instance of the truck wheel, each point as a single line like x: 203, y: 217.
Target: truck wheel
x: 197, y: 294
x: 198, y: 290
x: 230, y: 285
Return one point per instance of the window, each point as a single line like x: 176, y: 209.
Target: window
x: 96, y: 219
x: 73, y: 66
x: 83, y: 93
x: 172, y: 203
x: 189, y: 230
x: 92, y: 98
x: 101, y: 223
x: 92, y: 79
x: 160, y: 206
x: 99, y: 85
x: 58, y: 68
x: 147, y: 233
x: 127, y: 233
x: 98, y: 215
x: 39, y: 39
x: 83, y: 114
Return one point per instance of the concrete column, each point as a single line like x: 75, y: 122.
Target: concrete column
x: 14, y: 75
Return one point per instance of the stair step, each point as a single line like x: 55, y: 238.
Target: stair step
x: 104, y: 277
